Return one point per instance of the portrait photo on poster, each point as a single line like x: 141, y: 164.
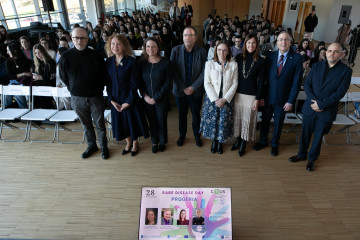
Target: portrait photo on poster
x: 293, y: 7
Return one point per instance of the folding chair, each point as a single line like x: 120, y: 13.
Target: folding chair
x: 11, y: 114
x: 39, y: 114
x: 64, y: 116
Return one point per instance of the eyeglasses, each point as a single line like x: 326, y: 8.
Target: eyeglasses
x: 80, y: 38
x: 189, y: 35
x: 284, y: 40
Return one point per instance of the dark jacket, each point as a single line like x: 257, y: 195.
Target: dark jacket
x: 310, y: 23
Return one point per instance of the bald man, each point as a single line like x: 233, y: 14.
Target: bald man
x: 84, y: 73
x: 327, y: 82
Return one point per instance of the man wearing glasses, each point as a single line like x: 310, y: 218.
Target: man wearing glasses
x: 83, y: 71
x: 188, y: 63
x: 283, y: 69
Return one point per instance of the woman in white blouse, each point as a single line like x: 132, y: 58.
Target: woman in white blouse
x: 220, y: 82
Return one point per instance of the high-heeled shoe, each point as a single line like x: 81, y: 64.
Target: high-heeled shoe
x: 220, y: 148
x: 214, y: 146
x: 242, y: 148
x: 133, y: 153
x: 126, y: 151
x: 236, y: 145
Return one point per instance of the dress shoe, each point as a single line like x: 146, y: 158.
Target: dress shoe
x: 154, y: 148
x: 242, y: 148
x: 214, y: 146
x: 89, y: 151
x: 133, y: 153
x: 180, y: 141
x: 162, y: 148
x: 220, y: 148
x: 236, y: 145
x: 274, y: 151
x: 296, y: 159
x: 198, y: 141
x: 105, y: 153
x: 125, y: 151
x: 310, y: 166
x: 259, y: 146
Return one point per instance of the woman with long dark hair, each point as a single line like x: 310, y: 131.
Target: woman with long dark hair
x: 18, y: 69
x: 155, y: 86
x: 248, y: 94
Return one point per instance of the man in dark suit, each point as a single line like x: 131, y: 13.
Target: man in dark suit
x: 188, y: 62
x: 284, y: 72
x: 327, y: 82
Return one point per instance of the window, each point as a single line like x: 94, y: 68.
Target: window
x: 76, y: 11
x: 109, y: 6
x: 25, y: 10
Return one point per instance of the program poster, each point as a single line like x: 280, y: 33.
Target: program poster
x: 185, y: 213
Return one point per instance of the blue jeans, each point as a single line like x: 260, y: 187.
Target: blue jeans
x: 89, y: 110
x: 21, y: 100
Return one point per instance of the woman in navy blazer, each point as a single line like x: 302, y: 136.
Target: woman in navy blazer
x: 127, y: 118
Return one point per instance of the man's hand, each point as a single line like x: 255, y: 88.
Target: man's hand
x: 149, y: 100
x: 189, y: 90
x: 315, y: 106
x: 287, y: 107
x: 255, y: 105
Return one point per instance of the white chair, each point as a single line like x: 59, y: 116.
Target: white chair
x: 38, y: 114
x: 11, y: 114
x: 64, y: 116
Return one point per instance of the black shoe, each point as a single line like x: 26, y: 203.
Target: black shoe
x: 198, y: 141
x: 274, y: 151
x: 310, y: 166
x: 133, y: 153
x: 259, y: 146
x: 236, y: 145
x: 162, y: 148
x: 89, y: 151
x: 105, y: 153
x: 296, y: 159
x: 214, y: 146
x: 220, y: 148
x: 242, y: 148
x: 154, y: 148
x: 125, y: 151
x: 180, y: 141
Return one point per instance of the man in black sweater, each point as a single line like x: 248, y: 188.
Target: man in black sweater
x: 83, y: 71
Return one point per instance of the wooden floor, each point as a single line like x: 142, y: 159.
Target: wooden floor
x: 48, y: 192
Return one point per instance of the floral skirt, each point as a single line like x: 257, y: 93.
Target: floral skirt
x: 216, y: 123
x: 244, y: 117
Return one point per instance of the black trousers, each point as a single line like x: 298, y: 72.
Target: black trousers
x: 183, y: 105
x: 312, y: 125
x: 157, y: 117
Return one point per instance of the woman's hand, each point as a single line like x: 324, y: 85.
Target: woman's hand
x: 116, y: 106
x: 220, y: 102
x: 37, y: 77
x: 149, y: 100
x: 255, y: 105
x: 124, y: 106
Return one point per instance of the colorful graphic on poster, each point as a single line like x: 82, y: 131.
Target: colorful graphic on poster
x: 185, y: 213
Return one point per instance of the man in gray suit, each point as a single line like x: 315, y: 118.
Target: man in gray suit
x: 188, y: 62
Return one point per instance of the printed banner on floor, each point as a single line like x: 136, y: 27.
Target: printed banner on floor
x: 185, y: 213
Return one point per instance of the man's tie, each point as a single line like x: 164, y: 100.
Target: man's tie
x: 280, y: 65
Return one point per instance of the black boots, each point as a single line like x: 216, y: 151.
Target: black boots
x: 242, y: 147
x: 236, y: 145
x: 214, y: 146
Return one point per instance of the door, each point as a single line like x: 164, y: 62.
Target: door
x: 298, y: 21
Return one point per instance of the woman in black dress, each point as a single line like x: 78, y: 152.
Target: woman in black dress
x: 249, y: 93
x: 155, y: 86
x: 127, y: 118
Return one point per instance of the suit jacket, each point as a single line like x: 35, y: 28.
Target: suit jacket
x: 327, y: 93
x: 284, y: 88
x: 179, y: 71
x: 212, y: 80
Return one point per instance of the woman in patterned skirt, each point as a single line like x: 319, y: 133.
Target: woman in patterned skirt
x: 248, y: 94
x: 220, y: 82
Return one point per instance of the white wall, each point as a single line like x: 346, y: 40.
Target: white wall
x: 255, y: 7
x: 323, y: 12
x: 332, y: 25
x: 91, y: 11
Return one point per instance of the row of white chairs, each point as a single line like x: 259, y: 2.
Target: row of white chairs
x: 32, y: 115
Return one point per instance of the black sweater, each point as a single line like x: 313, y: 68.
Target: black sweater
x: 83, y: 72
x: 253, y: 84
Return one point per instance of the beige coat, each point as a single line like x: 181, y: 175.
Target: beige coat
x: 212, y: 80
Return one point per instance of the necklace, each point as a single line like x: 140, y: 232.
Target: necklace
x: 246, y: 75
x: 118, y: 61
